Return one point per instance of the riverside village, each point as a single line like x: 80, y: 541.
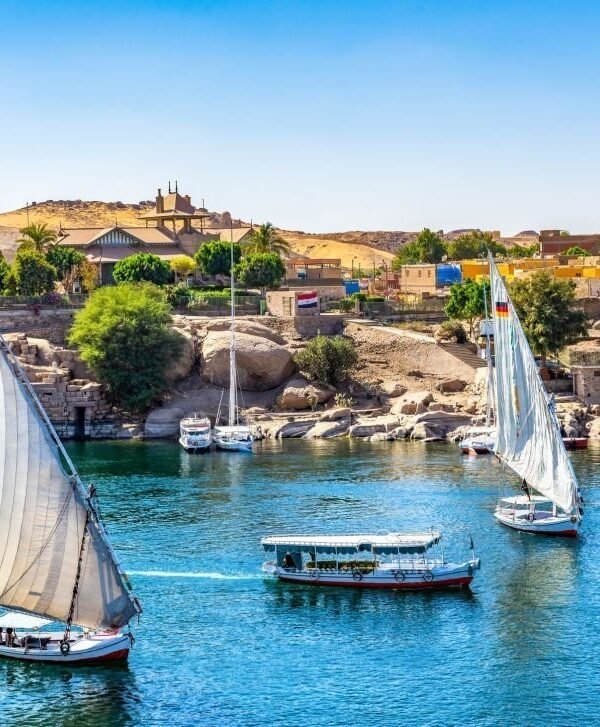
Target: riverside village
x: 299, y: 364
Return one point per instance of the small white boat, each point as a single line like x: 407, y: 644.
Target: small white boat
x: 385, y: 560
x: 479, y: 440
x: 237, y: 438
x: 194, y: 433
x: 528, y: 436
x: 535, y: 514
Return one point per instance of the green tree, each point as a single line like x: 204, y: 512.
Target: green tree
x: 4, y: 272
x: 546, y: 309
x: 37, y: 237
x: 64, y: 259
x: 523, y: 250
x: 266, y: 239
x: 576, y: 250
x: 466, y: 302
x: 214, y: 258
x: 33, y: 274
x: 182, y: 265
x: 327, y: 359
x: 260, y: 270
x: 124, y: 335
x: 427, y: 248
x: 142, y: 267
x: 474, y: 244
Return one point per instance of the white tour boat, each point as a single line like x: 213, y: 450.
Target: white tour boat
x: 479, y: 440
x: 235, y: 436
x: 57, y: 563
x: 528, y: 433
x: 386, y: 560
x: 194, y: 433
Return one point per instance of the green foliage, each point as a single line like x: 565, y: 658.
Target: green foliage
x: 260, y: 270
x: 343, y: 400
x: 327, y: 359
x: 182, y: 265
x: 36, y: 237
x: 576, y: 250
x: 359, y: 296
x: 123, y: 334
x: 33, y: 274
x: 546, y: 309
x: 178, y: 296
x: 266, y: 239
x: 375, y: 299
x: 451, y: 329
x: 64, y: 259
x: 345, y: 305
x: 142, y: 267
x: 474, y: 244
x: 427, y: 248
x: 523, y: 250
x: 214, y: 258
x: 466, y: 302
x: 5, y: 272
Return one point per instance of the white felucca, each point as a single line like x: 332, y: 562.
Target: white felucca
x: 56, y: 562
x: 235, y: 437
x: 528, y: 434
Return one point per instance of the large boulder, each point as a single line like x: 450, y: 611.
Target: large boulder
x: 412, y: 402
x: 339, y: 412
x: 327, y: 430
x: 299, y: 394
x: 593, y: 428
x: 451, y: 386
x: 391, y: 389
x: 442, y: 421
x: 163, y: 422
x: 181, y: 366
x: 262, y: 364
x: 249, y: 327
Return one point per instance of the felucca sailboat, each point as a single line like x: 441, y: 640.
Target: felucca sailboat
x: 234, y: 436
x: 528, y: 436
x: 56, y: 563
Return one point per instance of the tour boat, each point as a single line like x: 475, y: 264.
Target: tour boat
x: 194, y: 433
x: 478, y: 440
x: 57, y: 563
x: 528, y: 432
x: 575, y: 442
x: 235, y: 436
x: 384, y: 560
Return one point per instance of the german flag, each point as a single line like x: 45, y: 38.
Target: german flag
x: 501, y: 309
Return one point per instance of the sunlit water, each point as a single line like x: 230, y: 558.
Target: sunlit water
x: 219, y: 644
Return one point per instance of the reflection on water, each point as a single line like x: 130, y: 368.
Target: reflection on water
x: 219, y: 644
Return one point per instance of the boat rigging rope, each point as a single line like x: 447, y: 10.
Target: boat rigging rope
x: 69, y: 620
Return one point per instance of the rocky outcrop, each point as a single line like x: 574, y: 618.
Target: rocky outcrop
x: 181, y: 366
x: 262, y: 364
x: 299, y: 394
x: 369, y: 427
x: 328, y: 430
x: 249, y: 327
x: 340, y: 412
x: 163, y: 422
x: 412, y: 402
x: 451, y: 386
x: 392, y: 389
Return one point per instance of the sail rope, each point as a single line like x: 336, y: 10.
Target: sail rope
x: 69, y: 620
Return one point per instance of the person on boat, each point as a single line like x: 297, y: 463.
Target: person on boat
x: 525, y: 488
x: 288, y: 561
x: 10, y: 636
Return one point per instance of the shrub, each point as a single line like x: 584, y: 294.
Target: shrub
x: 375, y: 299
x: 178, y: 295
x: 142, y: 267
x: 124, y: 335
x: 53, y: 298
x: 359, y: 296
x: 346, y: 304
x: 33, y: 274
x: 64, y: 259
x: 260, y: 270
x: 451, y: 329
x: 326, y: 359
x: 343, y: 400
x: 214, y: 258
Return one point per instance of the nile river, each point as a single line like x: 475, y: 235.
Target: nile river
x: 218, y: 644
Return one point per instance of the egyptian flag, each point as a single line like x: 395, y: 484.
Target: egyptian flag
x: 309, y: 299
x: 501, y: 309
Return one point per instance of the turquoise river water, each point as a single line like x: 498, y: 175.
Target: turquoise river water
x: 219, y: 644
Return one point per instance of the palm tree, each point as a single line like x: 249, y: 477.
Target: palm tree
x: 37, y: 236
x: 267, y: 239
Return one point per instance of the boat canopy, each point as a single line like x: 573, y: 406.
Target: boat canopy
x: 524, y: 500
x: 17, y: 620
x: 387, y: 543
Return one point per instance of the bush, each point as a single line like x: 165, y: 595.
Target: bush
x: 124, y: 335
x: 214, y: 258
x: 64, y: 259
x: 359, y: 296
x: 375, y: 299
x: 327, y: 360
x: 451, y: 329
x: 260, y: 270
x: 346, y: 304
x: 33, y: 274
x: 178, y: 295
x: 142, y: 267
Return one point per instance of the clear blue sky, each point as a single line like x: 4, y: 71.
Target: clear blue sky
x: 322, y: 116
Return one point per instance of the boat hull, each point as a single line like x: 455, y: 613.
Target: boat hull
x: 561, y: 525
x: 84, y: 652
x: 233, y: 446
x: 196, y: 447
x: 575, y: 442
x: 447, y: 576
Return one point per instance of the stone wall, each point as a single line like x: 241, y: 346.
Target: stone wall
x: 52, y: 324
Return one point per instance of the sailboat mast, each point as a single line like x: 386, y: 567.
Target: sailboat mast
x: 232, y: 376
x: 490, y: 368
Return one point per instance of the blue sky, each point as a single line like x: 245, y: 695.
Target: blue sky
x: 319, y: 116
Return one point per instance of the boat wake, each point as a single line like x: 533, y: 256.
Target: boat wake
x: 191, y: 574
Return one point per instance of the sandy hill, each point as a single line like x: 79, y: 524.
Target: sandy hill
x: 324, y: 246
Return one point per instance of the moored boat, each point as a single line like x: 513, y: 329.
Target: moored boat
x: 58, y: 565
x: 194, y: 433
x: 385, y: 560
x: 479, y: 440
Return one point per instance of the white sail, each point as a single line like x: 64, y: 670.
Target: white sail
x: 43, y: 512
x: 528, y: 437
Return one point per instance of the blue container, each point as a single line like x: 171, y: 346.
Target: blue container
x: 447, y: 274
x: 352, y: 286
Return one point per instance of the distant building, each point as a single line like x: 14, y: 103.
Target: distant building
x: 553, y: 242
x: 310, y: 271
x: 173, y: 227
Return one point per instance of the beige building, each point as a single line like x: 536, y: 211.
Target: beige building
x: 417, y: 279
x: 311, y: 271
x: 173, y: 227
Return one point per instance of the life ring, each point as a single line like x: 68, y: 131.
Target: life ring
x: 531, y: 517
x: 65, y: 647
x: 399, y: 576
x: 357, y: 575
x: 428, y: 576
x: 314, y: 574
